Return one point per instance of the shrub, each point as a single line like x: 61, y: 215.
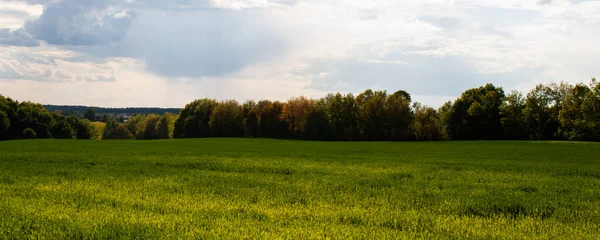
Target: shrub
x: 119, y: 132
x: 29, y: 133
x: 61, y: 129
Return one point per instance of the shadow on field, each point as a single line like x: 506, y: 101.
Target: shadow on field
x: 397, y: 223
x: 508, y: 210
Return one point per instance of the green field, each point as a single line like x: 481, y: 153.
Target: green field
x: 260, y: 188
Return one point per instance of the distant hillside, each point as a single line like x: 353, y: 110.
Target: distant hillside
x: 101, y: 110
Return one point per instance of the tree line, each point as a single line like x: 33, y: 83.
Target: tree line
x: 549, y: 111
x: 556, y: 111
x: 79, y: 110
x: 151, y: 126
x: 32, y: 120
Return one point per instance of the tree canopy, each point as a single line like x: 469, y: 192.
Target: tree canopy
x: 32, y: 120
x: 548, y: 111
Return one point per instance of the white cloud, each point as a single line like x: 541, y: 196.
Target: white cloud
x: 14, y: 14
x: 47, y: 64
x: 160, y: 53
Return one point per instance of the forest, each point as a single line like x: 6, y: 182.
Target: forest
x: 556, y: 111
x: 78, y: 110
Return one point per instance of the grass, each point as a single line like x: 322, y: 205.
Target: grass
x: 260, y: 188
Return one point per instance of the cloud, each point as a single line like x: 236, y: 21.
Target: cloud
x: 63, y: 75
x: 111, y: 78
x: 544, y: 2
x: 196, y: 41
x: 9, y: 72
x: 420, y: 75
x: 13, y: 13
x: 18, y: 37
x: 28, y: 72
x: 285, y: 2
x: 44, y: 64
x: 79, y: 23
x: 443, y: 22
x: 368, y: 14
x: 238, y: 48
x: 204, y: 43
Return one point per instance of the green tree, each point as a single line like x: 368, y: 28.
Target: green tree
x: 193, y: 119
x: 571, y: 115
x: 341, y: 111
x: 163, y: 126
x: 295, y: 114
x: 135, y: 124
x: 110, y: 125
x: 579, y: 113
x: 270, y: 121
x: 557, y: 93
x: 425, y: 126
x: 372, y: 114
x: 4, y: 124
x: 34, y: 116
x: 10, y: 108
x: 251, y: 126
x: 248, y: 106
x: 90, y: 114
x: 400, y: 116
x: 83, y: 128
x: 403, y: 94
x: 104, y: 118
x: 250, y: 119
x: 120, y: 132
x: 146, y: 127
x: 476, y: 115
x: 114, y: 130
x: 445, y: 113
x: 591, y: 110
x: 61, y: 129
x: 513, y: 119
x: 541, y: 120
x: 227, y: 120
x: 317, y: 124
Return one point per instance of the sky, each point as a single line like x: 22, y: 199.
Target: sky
x: 166, y: 53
